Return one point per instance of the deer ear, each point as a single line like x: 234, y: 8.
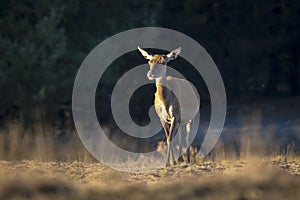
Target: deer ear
x: 145, y: 54
x: 173, y: 54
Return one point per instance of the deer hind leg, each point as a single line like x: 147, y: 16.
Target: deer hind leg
x: 188, y: 130
x: 180, y: 132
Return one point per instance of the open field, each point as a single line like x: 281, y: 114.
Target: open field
x: 264, y: 164
x: 70, y: 70
x: 252, y: 178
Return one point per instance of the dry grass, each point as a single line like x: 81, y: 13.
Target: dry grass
x: 239, y: 179
x: 40, y: 166
x: 42, y: 142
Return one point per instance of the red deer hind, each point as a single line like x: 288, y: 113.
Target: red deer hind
x: 176, y: 101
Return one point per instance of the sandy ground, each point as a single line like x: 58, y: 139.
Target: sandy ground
x: 253, y: 178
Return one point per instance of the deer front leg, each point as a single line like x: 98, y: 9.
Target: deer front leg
x: 166, y: 129
x: 169, y: 145
x: 172, y: 152
x: 174, y: 127
x: 169, y: 132
x: 168, y: 153
x: 167, y: 120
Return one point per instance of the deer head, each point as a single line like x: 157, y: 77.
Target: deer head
x: 158, y: 63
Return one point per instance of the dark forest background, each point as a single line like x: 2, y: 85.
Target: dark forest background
x: 255, y: 45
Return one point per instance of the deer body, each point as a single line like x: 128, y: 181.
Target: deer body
x: 176, y: 100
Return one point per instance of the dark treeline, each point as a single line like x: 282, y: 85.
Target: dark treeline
x: 254, y: 43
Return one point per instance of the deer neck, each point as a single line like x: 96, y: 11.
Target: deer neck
x: 161, y: 95
x: 160, y: 82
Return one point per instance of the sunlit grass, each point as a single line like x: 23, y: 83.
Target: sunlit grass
x: 38, y: 166
x: 230, y: 179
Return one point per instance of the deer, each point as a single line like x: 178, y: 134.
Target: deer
x: 176, y: 102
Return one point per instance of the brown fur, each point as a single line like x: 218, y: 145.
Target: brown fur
x: 171, y: 93
x: 158, y: 59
